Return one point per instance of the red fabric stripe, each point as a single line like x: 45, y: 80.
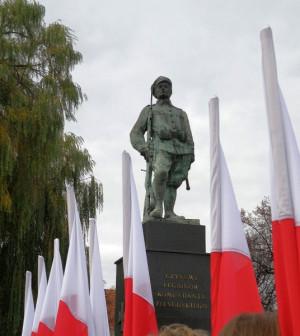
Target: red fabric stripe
x: 127, y: 330
x: 144, y: 318
x: 233, y: 288
x: 287, y: 275
x: 34, y: 334
x: 67, y: 324
x: 140, y: 318
x: 215, y: 267
x: 44, y: 330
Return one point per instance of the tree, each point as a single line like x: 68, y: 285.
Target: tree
x: 37, y: 96
x: 259, y: 235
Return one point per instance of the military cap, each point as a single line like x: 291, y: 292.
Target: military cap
x: 158, y: 80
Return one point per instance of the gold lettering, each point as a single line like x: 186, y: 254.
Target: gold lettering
x: 180, y: 276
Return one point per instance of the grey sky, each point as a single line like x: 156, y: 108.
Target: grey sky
x: 207, y: 48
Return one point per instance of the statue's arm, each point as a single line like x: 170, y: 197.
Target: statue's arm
x: 189, y: 136
x: 137, y: 133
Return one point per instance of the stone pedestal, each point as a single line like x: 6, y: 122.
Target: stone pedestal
x: 179, y: 273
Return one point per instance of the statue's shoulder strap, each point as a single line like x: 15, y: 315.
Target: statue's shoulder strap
x: 178, y: 109
x: 147, y: 107
x: 181, y: 110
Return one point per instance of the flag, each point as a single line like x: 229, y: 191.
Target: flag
x: 74, y: 315
x: 97, y: 293
x: 42, y: 287
x: 285, y: 198
x: 140, y: 318
x: 28, y: 306
x: 71, y: 208
x: 233, y: 285
x: 52, y: 295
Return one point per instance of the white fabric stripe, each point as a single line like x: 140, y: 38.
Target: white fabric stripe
x: 97, y: 293
x: 293, y: 161
x: 137, y: 264
x: 41, y: 269
x: 130, y: 250
x: 233, y: 235
x: 52, y: 295
x: 226, y: 225
x: 75, y: 286
x: 72, y: 208
x: 126, y: 211
x: 27, y: 285
x: 42, y: 287
x: 28, y: 306
x: 282, y: 200
x: 215, y: 186
x: 92, y: 228
x: 141, y: 278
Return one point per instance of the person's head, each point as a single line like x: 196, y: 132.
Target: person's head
x: 252, y: 325
x: 177, y: 329
x: 162, y: 88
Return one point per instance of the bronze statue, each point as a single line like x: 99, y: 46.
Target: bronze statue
x: 168, y: 150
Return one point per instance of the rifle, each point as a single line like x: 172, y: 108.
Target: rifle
x: 148, y: 179
x: 187, y: 184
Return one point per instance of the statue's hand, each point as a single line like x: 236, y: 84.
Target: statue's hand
x: 145, y: 153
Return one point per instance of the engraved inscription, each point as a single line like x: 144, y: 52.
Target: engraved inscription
x: 180, y: 291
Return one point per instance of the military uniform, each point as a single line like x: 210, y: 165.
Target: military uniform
x: 172, y: 141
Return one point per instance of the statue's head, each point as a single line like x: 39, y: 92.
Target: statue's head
x: 162, y: 88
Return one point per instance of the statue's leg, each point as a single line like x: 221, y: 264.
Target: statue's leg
x: 169, y: 202
x: 162, y: 166
x: 177, y: 175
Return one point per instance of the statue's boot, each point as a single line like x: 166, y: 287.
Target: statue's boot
x: 170, y: 198
x: 172, y: 215
x: 157, y: 211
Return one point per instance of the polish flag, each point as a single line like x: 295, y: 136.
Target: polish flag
x: 28, y: 306
x: 52, y: 295
x: 97, y: 293
x: 285, y: 195
x: 74, y: 315
x: 42, y: 287
x: 233, y: 285
x: 140, y: 318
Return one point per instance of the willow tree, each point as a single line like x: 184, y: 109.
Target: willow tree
x: 37, y: 96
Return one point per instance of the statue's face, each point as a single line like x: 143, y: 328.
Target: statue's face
x: 163, y: 90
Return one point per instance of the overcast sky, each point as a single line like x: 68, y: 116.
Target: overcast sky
x: 207, y: 48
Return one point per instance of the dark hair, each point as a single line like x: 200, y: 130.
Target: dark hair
x: 252, y: 325
x: 178, y: 329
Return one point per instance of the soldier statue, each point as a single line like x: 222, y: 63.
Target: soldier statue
x: 168, y: 150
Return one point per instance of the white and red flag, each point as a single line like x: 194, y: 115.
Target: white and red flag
x: 140, y: 318
x: 42, y: 286
x: 74, y: 315
x: 233, y: 284
x: 285, y: 193
x: 97, y: 293
x: 28, y: 306
x: 52, y: 295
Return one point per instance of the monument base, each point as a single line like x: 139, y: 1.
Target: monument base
x: 179, y: 273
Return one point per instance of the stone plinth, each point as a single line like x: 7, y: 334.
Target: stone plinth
x: 179, y: 273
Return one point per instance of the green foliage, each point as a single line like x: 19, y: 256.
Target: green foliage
x: 37, y: 95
